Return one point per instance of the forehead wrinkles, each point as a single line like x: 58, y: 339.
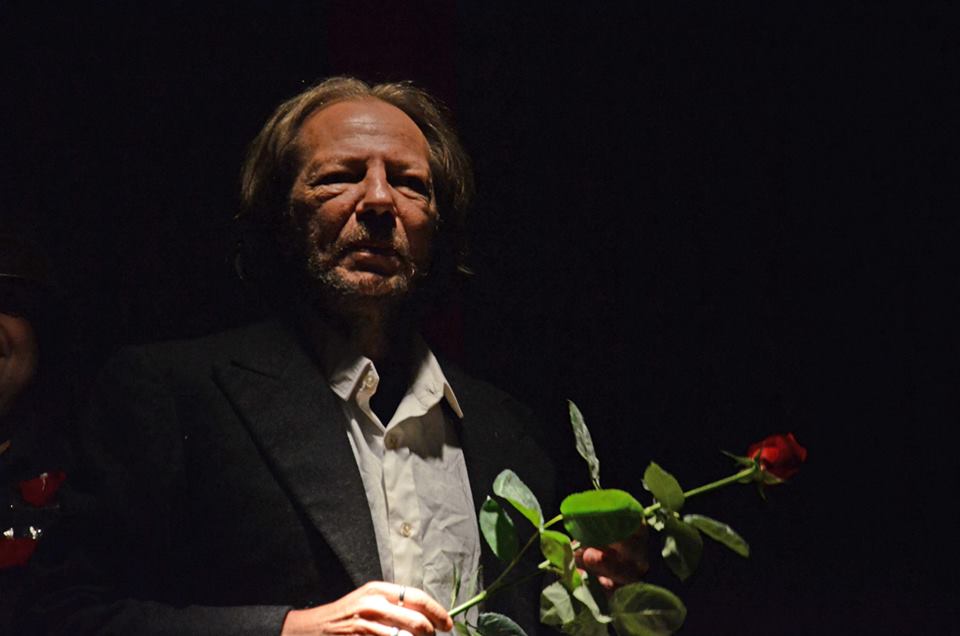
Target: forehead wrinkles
x: 360, y: 129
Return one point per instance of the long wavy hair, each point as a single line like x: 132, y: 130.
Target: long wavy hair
x: 272, y: 163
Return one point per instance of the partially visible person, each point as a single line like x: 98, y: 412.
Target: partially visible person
x: 31, y: 458
x: 319, y: 472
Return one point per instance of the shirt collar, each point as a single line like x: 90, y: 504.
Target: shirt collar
x: 346, y: 369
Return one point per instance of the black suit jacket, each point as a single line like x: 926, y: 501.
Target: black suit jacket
x: 223, y: 490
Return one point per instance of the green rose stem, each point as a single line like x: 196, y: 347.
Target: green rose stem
x: 713, y: 485
x: 499, y: 582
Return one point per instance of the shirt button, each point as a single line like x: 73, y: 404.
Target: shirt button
x: 392, y: 441
x: 406, y: 529
x: 369, y: 381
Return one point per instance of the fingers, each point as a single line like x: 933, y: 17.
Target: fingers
x: 364, y: 626
x: 607, y: 584
x: 617, y: 564
x: 374, y: 610
x: 426, y: 605
x: 611, y: 564
x: 420, y: 613
x: 635, y: 547
x: 351, y: 626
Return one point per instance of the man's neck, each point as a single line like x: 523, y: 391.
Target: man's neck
x: 381, y: 332
x: 386, y: 336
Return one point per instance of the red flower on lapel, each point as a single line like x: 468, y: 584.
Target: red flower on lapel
x: 39, y: 491
x: 15, y: 551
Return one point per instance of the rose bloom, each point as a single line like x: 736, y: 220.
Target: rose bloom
x: 780, y: 455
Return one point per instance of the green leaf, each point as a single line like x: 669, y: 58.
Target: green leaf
x: 761, y: 476
x: 465, y: 629
x: 509, y: 486
x: 682, y: 546
x: 556, y: 605
x: 585, y: 443
x: 761, y: 490
x: 601, y: 517
x: 585, y: 624
x: 580, y: 618
x: 769, y: 479
x: 583, y: 594
x: 470, y: 586
x: 740, y: 459
x: 721, y: 532
x: 498, y: 529
x: 455, y: 588
x: 493, y: 624
x: 556, y: 547
x: 664, y: 487
x: 655, y: 522
x: 642, y: 609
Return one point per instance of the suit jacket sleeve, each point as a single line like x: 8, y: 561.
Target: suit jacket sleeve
x: 130, y: 527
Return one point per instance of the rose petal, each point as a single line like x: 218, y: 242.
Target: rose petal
x: 780, y: 455
x: 16, y: 551
x: 40, y: 490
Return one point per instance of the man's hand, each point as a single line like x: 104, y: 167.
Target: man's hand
x: 374, y: 609
x: 617, y: 564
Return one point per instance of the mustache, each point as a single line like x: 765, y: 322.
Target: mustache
x: 361, y: 238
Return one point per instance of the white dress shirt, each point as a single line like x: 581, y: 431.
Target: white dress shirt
x: 413, y: 472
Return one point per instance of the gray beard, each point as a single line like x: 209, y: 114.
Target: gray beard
x: 328, y: 288
x: 377, y: 315
x: 328, y: 282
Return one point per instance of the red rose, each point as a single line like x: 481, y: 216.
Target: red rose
x: 15, y: 551
x: 39, y: 491
x: 780, y: 455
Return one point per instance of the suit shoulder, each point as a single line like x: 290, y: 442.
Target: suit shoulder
x: 266, y: 341
x: 472, y: 389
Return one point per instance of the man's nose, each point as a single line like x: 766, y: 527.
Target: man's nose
x: 377, y: 195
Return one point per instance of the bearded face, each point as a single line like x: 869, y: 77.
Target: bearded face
x: 362, y: 208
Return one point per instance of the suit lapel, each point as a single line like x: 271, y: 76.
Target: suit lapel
x: 489, y: 446
x: 285, y: 403
x: 492, y: 437
x: 488, y: 442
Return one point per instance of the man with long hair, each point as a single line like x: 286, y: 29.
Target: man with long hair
x: 318, y: 473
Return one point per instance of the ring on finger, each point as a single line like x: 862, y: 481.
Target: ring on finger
x: 394, y: 630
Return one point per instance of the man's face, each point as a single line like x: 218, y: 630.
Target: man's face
x: 362, y: 208
x: 18, y: 358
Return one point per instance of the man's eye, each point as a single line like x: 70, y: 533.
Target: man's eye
x: 335, y: 177
x: 416, y: 184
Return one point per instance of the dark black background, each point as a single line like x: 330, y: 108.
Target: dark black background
x: 704, y: 224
